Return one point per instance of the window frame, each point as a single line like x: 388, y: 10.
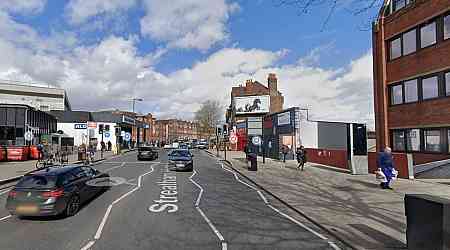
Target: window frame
x: 445, y: 83
x: 397, y: 37
x: 436, y: 26
x: 416, y: 41
x: 446, y: 15
x: 393, y: 131
x: 391, y: 91
x: 441, y: 141
x: 438, y: 87
x: 420, y: 140
x: 404, y: 83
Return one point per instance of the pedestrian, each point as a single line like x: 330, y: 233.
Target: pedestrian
x: 386, y: 163
x: 109, y: 145
x: 103, y: 146
x: 284, y: 151
x: 301, y: 157
x: 40, y: 149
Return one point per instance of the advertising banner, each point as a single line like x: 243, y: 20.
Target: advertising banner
x: 252, y: 104
x: 284, y: 118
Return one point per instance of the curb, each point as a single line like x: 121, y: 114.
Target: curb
x: 328, y: 231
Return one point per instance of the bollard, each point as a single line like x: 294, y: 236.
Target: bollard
x: 428, y: 222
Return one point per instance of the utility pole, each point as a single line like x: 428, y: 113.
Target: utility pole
x: 136, y: 99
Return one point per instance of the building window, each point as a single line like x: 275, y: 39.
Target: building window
x: 428, y: 35
x: 395, y: 48
x: 447, y: 83
x: 430, y: 87
x: 409, y: 42
x: 396, y: 94
x: 447, y: 27
x: 411, y: 91
x: 433, y: 140
x: 398, y: 137
x: 413, y: 140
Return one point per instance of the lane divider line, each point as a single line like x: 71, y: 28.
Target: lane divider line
x: 98, y: 234
x: 208, y: 221
x: 6, y: 217
x: 332, y: 244
x: 121, y: 165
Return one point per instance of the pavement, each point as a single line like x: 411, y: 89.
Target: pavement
x: 11, y: 170
x: 353, y: 207
x: 212, y: 208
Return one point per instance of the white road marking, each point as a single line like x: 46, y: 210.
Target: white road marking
x: 102, y: 224
x: 108, y: 211
x: 208, y: 221
x: 332, y: 244
x: 6, y: 217
x: 121, y: 165
x: 88, y: 245
x: 4, y: 192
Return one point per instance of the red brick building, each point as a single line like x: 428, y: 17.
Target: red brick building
x: 411, y: 53
x: 275, y: 99
x: 167, y: 131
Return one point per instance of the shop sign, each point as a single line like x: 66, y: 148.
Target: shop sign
x: 92, y: 124
x: 80, y: 126
x: 128, y: 120
x: 284, y: 118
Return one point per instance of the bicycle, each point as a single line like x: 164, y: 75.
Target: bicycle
x: 45, y: 162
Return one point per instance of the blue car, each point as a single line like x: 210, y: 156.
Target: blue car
x: 181, y: 160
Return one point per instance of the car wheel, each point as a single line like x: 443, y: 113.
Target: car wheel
x: 73, y: 206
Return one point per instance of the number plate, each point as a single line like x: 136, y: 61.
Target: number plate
x: 180, y: 165
x: 27, y: 209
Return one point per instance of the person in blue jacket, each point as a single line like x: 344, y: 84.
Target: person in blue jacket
x: 386, y: 163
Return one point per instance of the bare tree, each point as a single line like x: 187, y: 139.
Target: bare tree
x: 208, y: 116
x: 354, y: 7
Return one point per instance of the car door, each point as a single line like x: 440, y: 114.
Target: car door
x: 81, y: 178
x: 89, y: 173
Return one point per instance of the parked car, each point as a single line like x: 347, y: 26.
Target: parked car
x: 202, y: 145
x: 183, y: 146
x: 181, y: 160
x: 54, y: 191
x: 147, y: 153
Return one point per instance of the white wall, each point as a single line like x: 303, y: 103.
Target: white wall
x: 77, y: 134
x: 309, y: 134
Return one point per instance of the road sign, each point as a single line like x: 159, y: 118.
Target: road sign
x: 127, y: 136
x: 28, y: 136
x: 107, y: 134
x: 256, y: 140
x: 233, y: 139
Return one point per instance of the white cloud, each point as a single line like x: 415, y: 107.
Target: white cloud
x: 22, y: 6
x: 110, y: 73
x: 197, y: 24
x: 79, y: 11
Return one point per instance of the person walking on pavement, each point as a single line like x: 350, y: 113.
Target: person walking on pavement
x: 301, y: 157
x: 109, y: 145
x: 103, y: 146
x: 386, y: 163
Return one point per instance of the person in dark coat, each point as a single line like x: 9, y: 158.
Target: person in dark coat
x: 386, y: 163
x: 301, y: 157
x: 109, y: 145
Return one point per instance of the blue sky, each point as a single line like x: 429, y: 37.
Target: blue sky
x: 178, y: 54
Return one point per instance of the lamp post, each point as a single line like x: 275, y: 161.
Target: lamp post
x: 136, y: 99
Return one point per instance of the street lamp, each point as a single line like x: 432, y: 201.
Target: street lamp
x: 136, y: 99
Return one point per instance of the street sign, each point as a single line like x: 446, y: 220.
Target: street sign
x: 256, y: 140
x: 28, y: 136
x: 122, y: 133
x: 107, y: 134
x: 127, y: 136
x: 233, y: 139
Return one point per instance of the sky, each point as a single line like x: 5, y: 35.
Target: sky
x: 176, y: 54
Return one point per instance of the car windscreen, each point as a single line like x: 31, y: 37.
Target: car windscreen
x: 180, y: 153
x: 145, y: 149
x: 37, y: 181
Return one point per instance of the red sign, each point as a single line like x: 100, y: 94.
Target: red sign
x: 233, y: 139
x: 92, y: 124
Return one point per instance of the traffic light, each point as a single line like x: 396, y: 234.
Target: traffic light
x: 219, y: 131
x: 225, y: 129
x: 106, y: 127
x: 100, y: 128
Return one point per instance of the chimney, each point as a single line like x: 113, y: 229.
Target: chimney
x: 272, y: 84
x: 248, y: 82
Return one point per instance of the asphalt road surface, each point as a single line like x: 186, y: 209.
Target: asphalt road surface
x: 210, y: 208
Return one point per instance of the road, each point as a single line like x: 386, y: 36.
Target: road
x: 210, y: 208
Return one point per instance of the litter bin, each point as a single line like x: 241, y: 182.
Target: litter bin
x: 253, y: 158
x: 428, y: 222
